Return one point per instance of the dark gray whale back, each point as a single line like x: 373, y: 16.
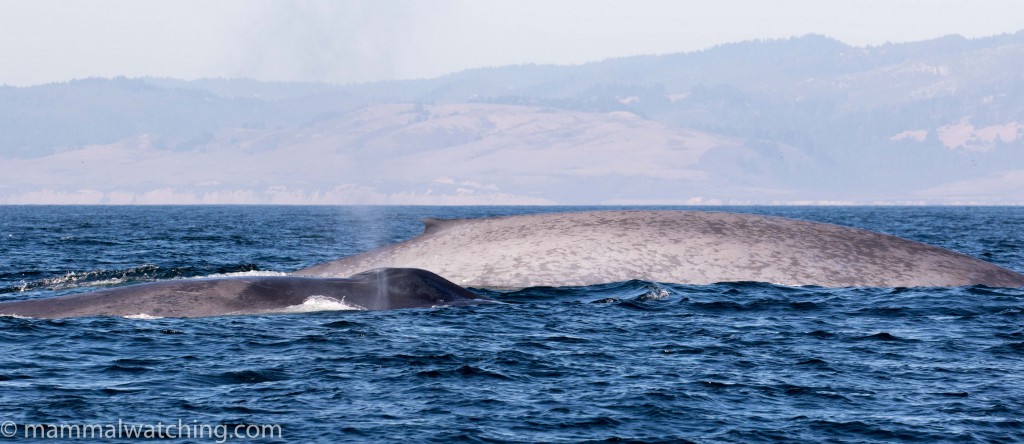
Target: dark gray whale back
x: 685, y: 247
x: 380, y: 289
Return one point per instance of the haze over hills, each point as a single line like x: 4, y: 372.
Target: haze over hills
x: 802, y: 120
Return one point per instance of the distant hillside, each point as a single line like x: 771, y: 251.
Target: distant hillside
x: 807, y: 119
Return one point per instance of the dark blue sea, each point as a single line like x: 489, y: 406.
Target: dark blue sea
x: 627, y: 361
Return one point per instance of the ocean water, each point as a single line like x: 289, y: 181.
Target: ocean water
x: 627, y: 361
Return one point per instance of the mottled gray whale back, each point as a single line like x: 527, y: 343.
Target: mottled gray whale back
x: 380, y: 289
x: 686, y: 247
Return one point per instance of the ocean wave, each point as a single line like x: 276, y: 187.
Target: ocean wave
x: 77, y: 279
x: 139, y: 274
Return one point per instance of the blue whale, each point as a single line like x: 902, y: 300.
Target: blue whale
x: 380, y: 289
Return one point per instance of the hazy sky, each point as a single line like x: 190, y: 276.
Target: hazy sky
x: 354, y: 41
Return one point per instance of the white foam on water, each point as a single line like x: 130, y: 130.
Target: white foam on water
x: 658, y: 293
x: 142, y: 316
x: 248, y: 274
x: 74, y: 279
x: 107, y: 282
x: 318, y: 303
x: 943, y: 318
x: 78, y: 279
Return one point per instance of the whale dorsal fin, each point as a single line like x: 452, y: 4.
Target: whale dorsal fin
x: 434, y: 225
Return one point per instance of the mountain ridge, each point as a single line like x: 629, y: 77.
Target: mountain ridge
x: 806, y: 119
